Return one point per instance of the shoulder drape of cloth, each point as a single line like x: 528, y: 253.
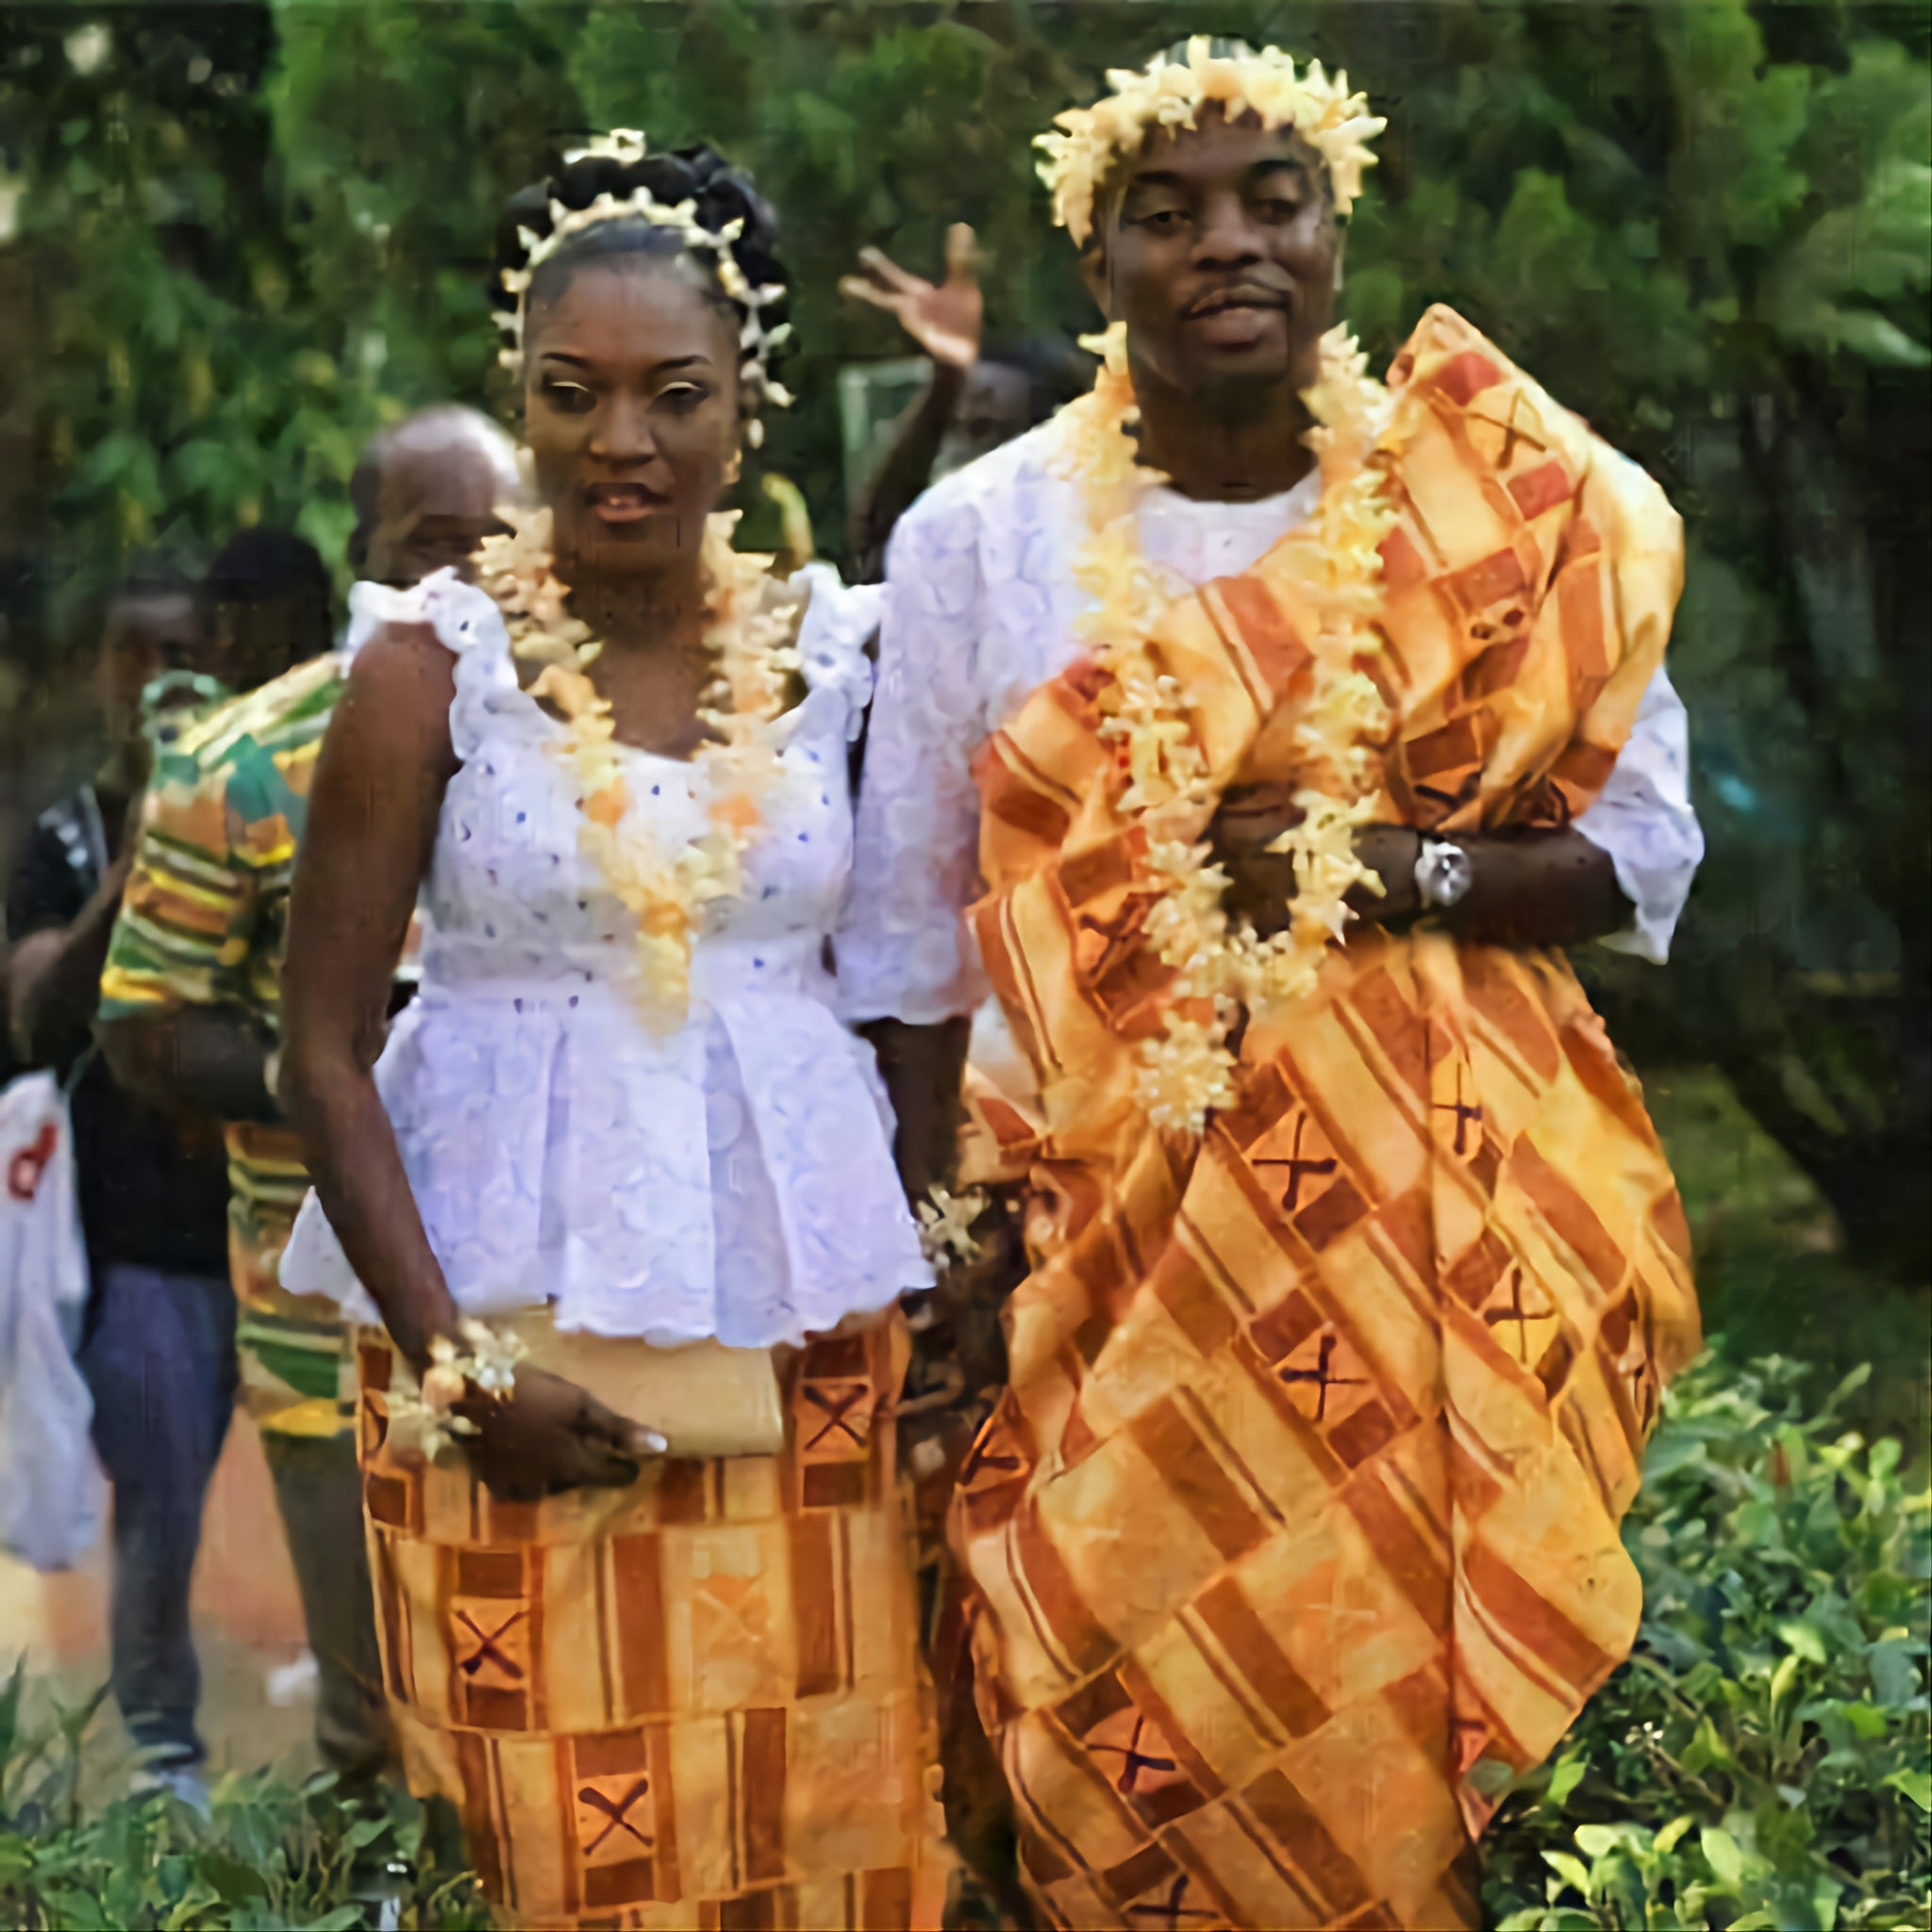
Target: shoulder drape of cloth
x: 1298, y: 1524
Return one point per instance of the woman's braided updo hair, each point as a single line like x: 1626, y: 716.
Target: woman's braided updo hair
x: 614, y: 200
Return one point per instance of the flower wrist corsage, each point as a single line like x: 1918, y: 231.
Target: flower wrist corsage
x: 486, y: 1371
x: 945, y: 1226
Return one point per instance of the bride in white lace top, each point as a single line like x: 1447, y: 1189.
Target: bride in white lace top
x: 729, y: 1180
x: 534, y: 1135
x: 664, y: 1579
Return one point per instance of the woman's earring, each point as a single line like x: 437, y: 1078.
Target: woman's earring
x: 526, y: 468
x: 735, y: 468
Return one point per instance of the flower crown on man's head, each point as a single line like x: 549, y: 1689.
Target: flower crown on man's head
x: 626, y: 147
x: 1169, y: 93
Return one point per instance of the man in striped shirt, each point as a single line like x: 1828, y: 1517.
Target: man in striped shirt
x: 190, y: 1005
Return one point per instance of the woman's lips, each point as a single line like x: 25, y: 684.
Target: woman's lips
x: 622, y: 502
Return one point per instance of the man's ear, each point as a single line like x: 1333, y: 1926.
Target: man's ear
x: 1094, y: 273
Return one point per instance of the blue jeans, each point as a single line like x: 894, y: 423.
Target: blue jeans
x: 160, y: 1358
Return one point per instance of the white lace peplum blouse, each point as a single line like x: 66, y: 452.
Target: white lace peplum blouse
x: 731, y: 1179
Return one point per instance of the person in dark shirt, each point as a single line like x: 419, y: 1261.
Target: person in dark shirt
x: 157, y: 1341
x: 145, y: 1185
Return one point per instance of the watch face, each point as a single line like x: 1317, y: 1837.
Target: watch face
x: 1444, y: 874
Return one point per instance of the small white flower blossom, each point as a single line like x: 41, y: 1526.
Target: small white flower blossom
x: 946, y: 1225
x: 428, y: 1418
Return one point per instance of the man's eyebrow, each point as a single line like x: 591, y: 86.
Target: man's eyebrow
x: 1271, y: 164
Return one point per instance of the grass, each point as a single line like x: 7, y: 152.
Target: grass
x: 1772, y: 1272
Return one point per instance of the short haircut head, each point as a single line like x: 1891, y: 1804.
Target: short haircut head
x: 259, y: 569
x: 444, y: 427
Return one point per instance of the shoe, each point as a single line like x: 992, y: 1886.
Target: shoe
x: 183, y: 1782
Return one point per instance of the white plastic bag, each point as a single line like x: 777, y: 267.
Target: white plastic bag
x: 52, y: 1492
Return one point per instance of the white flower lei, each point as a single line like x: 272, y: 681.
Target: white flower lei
x: 1187, y: 1070
x: 945, y: 1225
x: 755, y: 656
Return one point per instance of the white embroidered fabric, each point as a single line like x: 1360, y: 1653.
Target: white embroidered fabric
x: 981, y: 608
x: 732, y: 1179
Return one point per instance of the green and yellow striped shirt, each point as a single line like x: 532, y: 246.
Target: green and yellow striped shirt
x: 204, y: 923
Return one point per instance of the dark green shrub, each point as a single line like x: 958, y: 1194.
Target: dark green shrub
x: 1762, y: 1761
x: 272, y: 1855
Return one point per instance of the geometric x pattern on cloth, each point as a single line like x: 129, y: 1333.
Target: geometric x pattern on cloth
x: 1304, y: 1500
x: 693, y: 1703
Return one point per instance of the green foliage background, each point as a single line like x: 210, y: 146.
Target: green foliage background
x: 235, y: 238
x: 244, y: 234
x: 1761, y: 1763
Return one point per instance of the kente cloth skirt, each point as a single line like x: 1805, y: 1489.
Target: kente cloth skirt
x: 697, y: 1702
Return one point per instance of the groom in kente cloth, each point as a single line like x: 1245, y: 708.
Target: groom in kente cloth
x: 1350, y: 1283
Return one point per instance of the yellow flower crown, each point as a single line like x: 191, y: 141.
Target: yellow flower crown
x: 1170, y: 93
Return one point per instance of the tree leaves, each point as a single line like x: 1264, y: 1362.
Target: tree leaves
x: 1871, y: 251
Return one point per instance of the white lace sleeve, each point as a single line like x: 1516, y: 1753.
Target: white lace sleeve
x: 902, y: 949
x: 1644, y: 819
x: 839, y: 621
x: 371, y: 607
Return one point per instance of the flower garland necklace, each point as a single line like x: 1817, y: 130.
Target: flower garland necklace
x: 755, y: 652
x: 1187, y: 1070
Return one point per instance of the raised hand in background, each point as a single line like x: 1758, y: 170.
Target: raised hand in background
x: 944, y: 317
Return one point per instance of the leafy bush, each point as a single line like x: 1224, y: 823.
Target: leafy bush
x: 1762, y: 1761
x: 271, y: 1854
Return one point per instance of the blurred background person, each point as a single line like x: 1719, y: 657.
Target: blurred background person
x: 974, y: 399
x: 267, y: 603
x: 192, y: 1002
x: 157, y: 1341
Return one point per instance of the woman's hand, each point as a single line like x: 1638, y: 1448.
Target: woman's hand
x: 944, y: 318
x: 549, y: 1436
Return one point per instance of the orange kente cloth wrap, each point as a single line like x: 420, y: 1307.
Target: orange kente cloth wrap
x: 694, y: 1704
x: 1299, y: 1521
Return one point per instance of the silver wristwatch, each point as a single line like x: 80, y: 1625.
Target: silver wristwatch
x: 1443, y: 875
